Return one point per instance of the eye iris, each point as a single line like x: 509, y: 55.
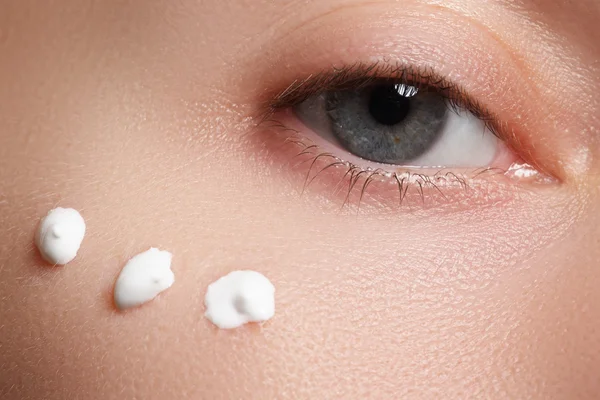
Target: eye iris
x: 387, y: 105
x: 389, y: 123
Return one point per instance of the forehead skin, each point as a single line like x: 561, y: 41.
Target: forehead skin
x: 136, y: 114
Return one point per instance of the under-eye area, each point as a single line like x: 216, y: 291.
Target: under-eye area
x: 395, y: 134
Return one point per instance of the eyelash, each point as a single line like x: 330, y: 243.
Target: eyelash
x: 361, y: 75
x: 403, y: 181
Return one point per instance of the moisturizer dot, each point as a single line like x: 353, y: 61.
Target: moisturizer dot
x: 240, y: 297
x: 59, y: 235
x: 143, y: 278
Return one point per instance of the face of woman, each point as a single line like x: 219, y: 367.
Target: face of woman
x: 418, y: 179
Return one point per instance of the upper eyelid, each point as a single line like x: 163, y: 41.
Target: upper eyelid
x: 473, y: 58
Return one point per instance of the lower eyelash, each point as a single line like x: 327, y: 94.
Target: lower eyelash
x: 355, y: 180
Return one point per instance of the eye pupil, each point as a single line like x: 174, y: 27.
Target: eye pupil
x: 389, y: 104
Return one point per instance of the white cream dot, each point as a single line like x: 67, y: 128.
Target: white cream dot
x: 238, y: 298
x: 143, y: 278
x: 59, y: 235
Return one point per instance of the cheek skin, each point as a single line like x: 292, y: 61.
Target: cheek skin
x: 497, y: 302
x: 364, y: 307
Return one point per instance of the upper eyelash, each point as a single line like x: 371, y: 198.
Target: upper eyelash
x: 363, y: 74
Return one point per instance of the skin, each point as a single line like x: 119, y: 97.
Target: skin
x: 140, y: 116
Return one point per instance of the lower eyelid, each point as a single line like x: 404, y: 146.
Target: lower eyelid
x: 340, y: 184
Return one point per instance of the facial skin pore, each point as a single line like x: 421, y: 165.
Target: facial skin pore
x: 139, y: 114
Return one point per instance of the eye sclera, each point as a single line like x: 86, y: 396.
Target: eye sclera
x: 458, y: 136
x: 310, y: 143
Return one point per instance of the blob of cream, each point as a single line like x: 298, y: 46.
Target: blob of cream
x: 143, y: 278
x: 238, y: 298
x: 59, y: 235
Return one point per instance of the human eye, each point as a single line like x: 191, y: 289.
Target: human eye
x: 406, y: 121
x: 413, y: 128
